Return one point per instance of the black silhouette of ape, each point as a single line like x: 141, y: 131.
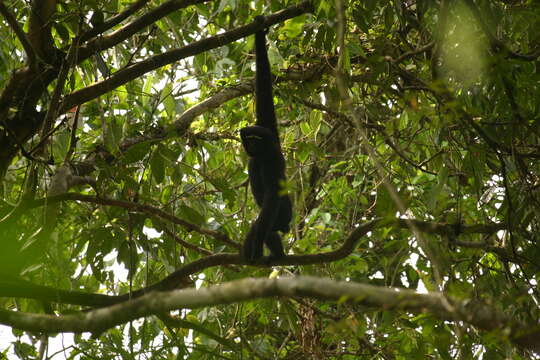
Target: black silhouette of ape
x: 266, y: 166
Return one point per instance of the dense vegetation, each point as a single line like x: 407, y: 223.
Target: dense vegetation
x: 410, y: 131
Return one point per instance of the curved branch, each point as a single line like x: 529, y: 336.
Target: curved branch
x: 342, y: 252
x: 183, y: 121
x: 27, y: 289
x: 133, y: 71
x: 446, y: 308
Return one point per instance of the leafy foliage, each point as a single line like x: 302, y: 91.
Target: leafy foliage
x: 429, y: 111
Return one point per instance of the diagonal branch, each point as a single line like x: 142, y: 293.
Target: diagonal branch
x: 19, y: 32
x: 108, y: 41
x: 496, y: 44
x: 114, y: 20
x: 147, y: 209
x: 186, y: 118
x: 52, y: 110
x: 133, y: 71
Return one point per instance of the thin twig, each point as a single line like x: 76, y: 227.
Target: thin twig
x: 21, y: 35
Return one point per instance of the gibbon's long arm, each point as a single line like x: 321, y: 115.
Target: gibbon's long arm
x: 266, y: 165
x: 264, y: 100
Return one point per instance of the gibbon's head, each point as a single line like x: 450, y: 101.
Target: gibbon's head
x: 258, y: 141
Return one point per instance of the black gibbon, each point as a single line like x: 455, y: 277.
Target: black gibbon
x: 266, y: 166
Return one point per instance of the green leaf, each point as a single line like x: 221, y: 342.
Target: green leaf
x: 61, y: 145
x: 147, y: 89
x: 169, y: 102
x: 385, y: 206
x: 157, y: 164
x: 137, y: 152
x: 306, y: 129
x: 303, y: 151
x: 113, y: 135
x: 292, y: 28
x: 191, y: 215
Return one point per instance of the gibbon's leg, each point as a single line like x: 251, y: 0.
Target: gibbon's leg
x: 253, y: 247
x: 273, y: 241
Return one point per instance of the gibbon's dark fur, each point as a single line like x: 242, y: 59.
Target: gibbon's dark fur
x: 266, y: 166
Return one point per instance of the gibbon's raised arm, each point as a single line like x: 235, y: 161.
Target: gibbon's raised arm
x: 264, y: 100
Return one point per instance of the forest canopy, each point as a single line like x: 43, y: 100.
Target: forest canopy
x: 410, y: 131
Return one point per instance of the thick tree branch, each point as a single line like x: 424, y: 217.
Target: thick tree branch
x: 39, y: 28
x: 133, y: 71
x: 441, y: 306
x: 184, y: 120
x: 125, y: 32
x: 15, y: 288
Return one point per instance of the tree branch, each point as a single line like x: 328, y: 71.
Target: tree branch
x: 475, y: 313
x: 52, y: 110
x: 114, y: 20
x: 39, y: 28
x: 342, y: 252
x: 186, y: 244
x: 147, y: 209
x: 133, y: 71
x: 27, y: 289
x: 108, y: 41
x: 14, y: 286
x: 186, y: 118
x: 19, y: 32
x: 496, y: 44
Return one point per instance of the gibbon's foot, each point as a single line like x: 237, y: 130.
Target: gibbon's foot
x: 259, y: 19
x: 263, y: 260
x: 249, y: 256
x: 268, y: 260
